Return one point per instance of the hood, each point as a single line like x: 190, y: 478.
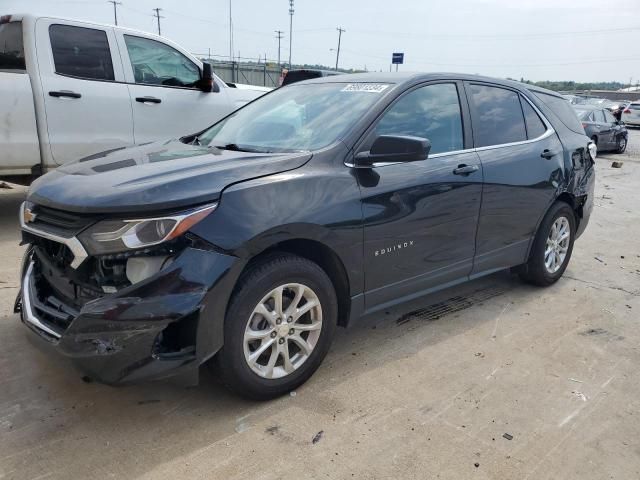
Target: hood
x: 153, y: 177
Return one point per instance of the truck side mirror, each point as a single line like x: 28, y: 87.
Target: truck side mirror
x: 207, y: 83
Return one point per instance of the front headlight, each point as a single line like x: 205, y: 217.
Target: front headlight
x: 112, y: 236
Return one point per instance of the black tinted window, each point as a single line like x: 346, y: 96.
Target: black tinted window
x: 431, y: 112
x: 81, y: 52
x: 563, y: 110
x: 535, y: 125
x: 498, y: 116
x: 11, y: 48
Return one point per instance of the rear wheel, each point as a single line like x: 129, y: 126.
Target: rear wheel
x: 552, y: 246
x: 621, y: 144
x: 278, y: 328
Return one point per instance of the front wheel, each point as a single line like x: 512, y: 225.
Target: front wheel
x: 278, y: 327
x: 621, y: 144
x: 552, y: 246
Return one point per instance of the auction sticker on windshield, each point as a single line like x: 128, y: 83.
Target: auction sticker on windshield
x: 365, y: 87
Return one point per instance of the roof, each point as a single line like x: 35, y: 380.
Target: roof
x: 399, y: 78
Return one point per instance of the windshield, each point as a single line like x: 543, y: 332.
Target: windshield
x: 295, y: 118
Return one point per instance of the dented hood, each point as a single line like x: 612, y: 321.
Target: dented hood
x: 154, y: 177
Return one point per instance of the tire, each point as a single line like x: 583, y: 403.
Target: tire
x: 621, y: 144
x: 263, y: 379
x: 536, y: 270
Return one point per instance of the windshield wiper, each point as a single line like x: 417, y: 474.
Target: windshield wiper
x: 236, y: 148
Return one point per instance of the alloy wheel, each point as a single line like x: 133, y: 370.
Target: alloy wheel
x: 283, y: 330
x: 557, y: 244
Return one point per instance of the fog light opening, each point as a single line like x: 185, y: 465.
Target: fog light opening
x: 141, y: 268
x: 178, y: 339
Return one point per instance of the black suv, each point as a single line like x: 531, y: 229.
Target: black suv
x: 311, y: 207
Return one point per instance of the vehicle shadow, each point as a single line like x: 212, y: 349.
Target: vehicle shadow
x: 45, y: 406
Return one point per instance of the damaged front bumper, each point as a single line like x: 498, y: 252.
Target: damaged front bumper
x: 164, y: 325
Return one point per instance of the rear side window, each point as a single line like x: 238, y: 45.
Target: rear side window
x: 431, y: 112
x: 81, y: 52
x: 599, y: 116
x: 634, y: 106
x: 11, y: 47
x: 535, y: 125
x: 608, y: 117
x: 497, y: 117
x: 563, y: 110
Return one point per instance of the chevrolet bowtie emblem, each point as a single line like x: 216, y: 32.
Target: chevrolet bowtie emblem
x: 29, y: 216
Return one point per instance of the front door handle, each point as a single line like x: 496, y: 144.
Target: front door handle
x: 465, y: 169
x: 65, y: 94
x: 148, y: 100
x: 548, y: 154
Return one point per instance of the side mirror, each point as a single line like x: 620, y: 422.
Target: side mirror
x: 394, y: 148
x: 206, y: 83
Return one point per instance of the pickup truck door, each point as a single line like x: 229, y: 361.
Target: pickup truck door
x: 165, y: 101
x: 87, y: 106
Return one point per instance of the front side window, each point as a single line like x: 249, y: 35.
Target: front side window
x: 155, y: 63
x: 11, y: 47
x: 299, y: 117
x: 535, y: 125
x: 498, y: 116
x: 431, y: 112
x: 81, y: 52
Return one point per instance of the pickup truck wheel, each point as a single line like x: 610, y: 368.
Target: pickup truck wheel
x: 552, y: 246
x: 278, y: 327
x: 621, y: 144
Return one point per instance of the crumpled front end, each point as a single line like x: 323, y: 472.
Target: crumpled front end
x: 168, y: 320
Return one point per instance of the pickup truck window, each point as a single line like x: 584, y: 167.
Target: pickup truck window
x: 431, y: 112
x: 81, y: 52
x: 155, y: 63
x: 11, y: 47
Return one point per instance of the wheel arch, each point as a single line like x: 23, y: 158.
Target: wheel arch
x: 321, y: 254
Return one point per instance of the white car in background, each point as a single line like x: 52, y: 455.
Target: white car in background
x: 71, y: 89
x: 631, y: 114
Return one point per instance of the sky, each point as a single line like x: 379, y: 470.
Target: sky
x: 580, y: 40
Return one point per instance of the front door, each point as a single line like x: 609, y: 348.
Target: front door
x: 162, y: 83
x: 420, y: 217
x: 87, y: 107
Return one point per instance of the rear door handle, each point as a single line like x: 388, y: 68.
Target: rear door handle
x: 465, y: 169
x: 65, y: 94
x: 548, y: 154
x: 148, y: 100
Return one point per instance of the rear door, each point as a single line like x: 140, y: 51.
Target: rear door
x: 18, y: 130
x: 162, y: 84
x: 420, y: 218
x: 605, y: 130
x: 87, y: 107
x: 522, y: 161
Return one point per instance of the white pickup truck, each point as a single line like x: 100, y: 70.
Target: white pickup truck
x: 70, y: 89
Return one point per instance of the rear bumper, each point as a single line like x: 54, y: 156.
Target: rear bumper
x: 123, y: 337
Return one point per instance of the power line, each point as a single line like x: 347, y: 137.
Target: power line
x: 115, y: 10
x: 279, y: 37
x: 158, y: 17
x: 340, y: 30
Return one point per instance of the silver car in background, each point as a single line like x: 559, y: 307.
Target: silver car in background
x: 631, y: 114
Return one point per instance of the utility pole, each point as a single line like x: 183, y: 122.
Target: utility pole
x: 290, y: 29
x: 230, y: 34
x: 158, y: 17
x: 279, y: 37
x: 115, y: 10
x: 340, y: 30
